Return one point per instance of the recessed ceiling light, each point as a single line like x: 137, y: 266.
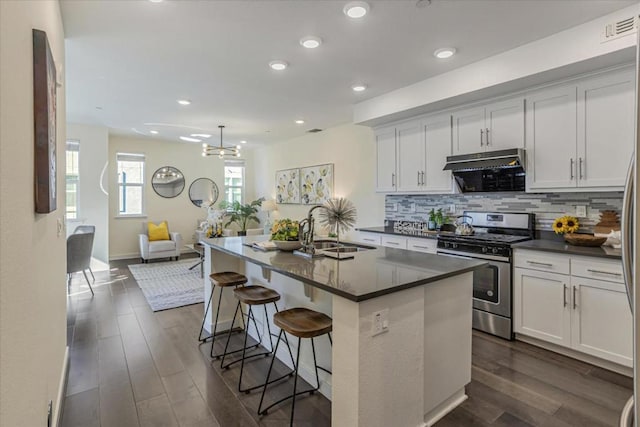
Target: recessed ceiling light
x: 243, y: 142
x: 359, y: 87
x: 299, y: 122
x: 186, y: 138
x: 311, y: 42
x: 278, y: 65
x: 153, y: 132
x: 201, y: 135
x: 445, y: 52
x: 155, y: 1
x: 184, y: 102
x: 356, y: 9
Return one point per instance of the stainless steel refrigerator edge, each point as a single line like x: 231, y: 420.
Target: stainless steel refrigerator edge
x: 629, y: 416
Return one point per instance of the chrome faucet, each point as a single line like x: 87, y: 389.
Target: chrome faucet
x: 305, y: 234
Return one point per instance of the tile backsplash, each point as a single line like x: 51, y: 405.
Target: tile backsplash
x: 546, y: 206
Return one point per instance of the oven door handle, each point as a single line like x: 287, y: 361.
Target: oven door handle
x: 483, y: 257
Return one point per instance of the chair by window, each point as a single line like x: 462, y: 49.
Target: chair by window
x: 159, y: 248
x: 79, y: 248
x: 87, y: 229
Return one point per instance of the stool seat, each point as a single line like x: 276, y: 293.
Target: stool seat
x: 302, y: 322
x: 256, y: 295
x: 228, y: 278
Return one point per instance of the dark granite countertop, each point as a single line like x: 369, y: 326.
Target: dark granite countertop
x: 390, y: 230
x: 560, y: 246
x: 368, y: 275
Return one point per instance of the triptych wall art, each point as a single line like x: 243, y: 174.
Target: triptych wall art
x: 311, y: 185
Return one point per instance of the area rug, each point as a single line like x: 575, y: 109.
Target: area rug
x: 170, y: 284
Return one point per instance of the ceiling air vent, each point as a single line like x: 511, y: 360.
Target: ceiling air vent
x: 314, y: 130
x: 615, y: 30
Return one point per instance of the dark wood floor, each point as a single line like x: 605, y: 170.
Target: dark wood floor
x: 130, y: 366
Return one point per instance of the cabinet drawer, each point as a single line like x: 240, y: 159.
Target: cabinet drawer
x: 555, y: 263
x: 394, y: 242
x: 422, y: 245
x: 368, y: 238
x: 610, y: 271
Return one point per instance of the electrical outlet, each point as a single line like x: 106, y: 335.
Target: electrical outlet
x: 60, y: 227
x: 581, y: 211
x: 380, y: 322
x: 412, y: 208
x: 452, y: 208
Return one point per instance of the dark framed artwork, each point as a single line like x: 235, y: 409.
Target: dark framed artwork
x: 44, y: 123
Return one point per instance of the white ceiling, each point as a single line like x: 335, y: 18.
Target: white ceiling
x: 133, y: 59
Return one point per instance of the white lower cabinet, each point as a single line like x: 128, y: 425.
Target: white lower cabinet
x: 586, y: 314
x: 391, y: 241
x: 368, y: 238
x: 428, y: 246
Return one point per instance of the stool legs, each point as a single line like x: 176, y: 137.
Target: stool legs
x: 204, y: 318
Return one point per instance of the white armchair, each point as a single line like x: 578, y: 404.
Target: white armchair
x: 159, y: 248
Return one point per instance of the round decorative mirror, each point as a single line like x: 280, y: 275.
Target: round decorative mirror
x: 203, y: 191
x: 167, y: 182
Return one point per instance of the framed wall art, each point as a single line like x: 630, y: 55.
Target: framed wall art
x: 316, y: 184
x: 288, y: 186
x: 44, y: 124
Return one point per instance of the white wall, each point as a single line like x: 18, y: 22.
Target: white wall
x: 570, y: 52
x: 350, y: 148
x: 93, y: 203
x: 181, y: 214
x: 32, y: 250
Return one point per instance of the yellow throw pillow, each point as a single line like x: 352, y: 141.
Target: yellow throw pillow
x: 158, y: 232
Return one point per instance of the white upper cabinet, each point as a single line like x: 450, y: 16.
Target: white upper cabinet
x: 437, y: 136
x: 551, y: 138
x: 411, y: 157
x: 386, y: 160
x: 496, y: 126
x: 605, y: 129
x: 580, y: 135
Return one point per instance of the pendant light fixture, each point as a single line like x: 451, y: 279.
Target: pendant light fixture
x: 220, y: 151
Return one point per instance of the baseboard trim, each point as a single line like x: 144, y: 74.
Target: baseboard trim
x: 62, y: 390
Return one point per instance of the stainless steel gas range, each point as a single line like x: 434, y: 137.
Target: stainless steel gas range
x: 494, y: 233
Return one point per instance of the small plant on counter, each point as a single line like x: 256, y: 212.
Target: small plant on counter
x: 566, y: 224
x: 431, y: 225
x: 285, y: 230
x: 439, y: 218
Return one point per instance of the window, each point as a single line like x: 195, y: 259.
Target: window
x: 72, y: 179
x: 130, y: 184
x: 234, y: 180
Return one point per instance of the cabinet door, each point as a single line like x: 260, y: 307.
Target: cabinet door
x: 601, y: 323
x: 551, y: 138
x: 386, y: 160
x: 605, y: 129
x: 467, y: 128
x: 394, y: 241
x: 437, y: 134
x: 410, y: 146
x: 541, y: 305
x: 368, y: 238
x: 428, y: 246
x: 505, y: 124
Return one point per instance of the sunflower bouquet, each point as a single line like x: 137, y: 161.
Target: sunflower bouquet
x: 285, y: 230
x: 566, y: 224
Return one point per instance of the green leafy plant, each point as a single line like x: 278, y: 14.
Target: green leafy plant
x: 432, y: 215
x: 285, y: 230
x: 439, y: 217
x: 241, y: 214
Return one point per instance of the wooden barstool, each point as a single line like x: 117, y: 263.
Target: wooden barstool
x: 221, y: 280
x: 252, y: 296
x: 301, y: 323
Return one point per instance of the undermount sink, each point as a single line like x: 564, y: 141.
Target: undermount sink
x: 332, y: 248
x: 345, y: 249
x: 324, y: 244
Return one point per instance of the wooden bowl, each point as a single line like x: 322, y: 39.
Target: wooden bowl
x: 287, y: 245
x: 584, y: 239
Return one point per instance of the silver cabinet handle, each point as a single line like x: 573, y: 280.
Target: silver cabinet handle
x: 574, y: 297
x: 421, y: 247
x: 564, y: 294
x: 481, y: 136
x: 486, y: 136
x: 546, y: 264
x: 392, y: 243
x: 419, y: 183
x: 580, y: 167
x: 393, y: 179
x: 571, y: 168
x: 423, y: 178
x: 627, y: 232
x: 611, y: 273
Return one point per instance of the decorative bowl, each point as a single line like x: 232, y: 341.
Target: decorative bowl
x: 287, y: 245
x: 584, y: 239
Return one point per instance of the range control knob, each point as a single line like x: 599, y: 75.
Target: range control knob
x: 494, y: 250
x: 484, y: 249
x: 446, y: 244
x: 454, y: 245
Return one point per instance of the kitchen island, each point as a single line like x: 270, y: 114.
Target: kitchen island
x: 410, y: 374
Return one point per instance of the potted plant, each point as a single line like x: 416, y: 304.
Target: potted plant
x: 439, y: 218
x: 431, y: 224
x: 284, y: 234
x: 241, y: 214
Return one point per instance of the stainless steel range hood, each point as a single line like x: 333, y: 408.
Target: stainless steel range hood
x: 502, y: 159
